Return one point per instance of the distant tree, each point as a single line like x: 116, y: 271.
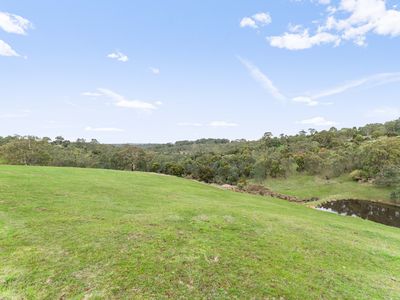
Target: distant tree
x: 129, y: 158
x: 26, y: 151
x: 302, y: 132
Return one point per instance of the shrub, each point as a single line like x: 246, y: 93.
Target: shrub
x: 395, y: 195
x: 242, y: 183
x: 389, y: 176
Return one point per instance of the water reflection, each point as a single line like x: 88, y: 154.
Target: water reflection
x: 374, y: 211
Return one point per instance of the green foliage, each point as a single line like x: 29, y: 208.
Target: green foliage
x: 395, y: 195
x: 377, y: 154
x: 26, y: 151
x: 174, y: 169
x: 389, y: 176
x: 327, y: 154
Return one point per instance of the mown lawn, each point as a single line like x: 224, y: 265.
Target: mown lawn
x: 305, y: 186
x: 98, y: 234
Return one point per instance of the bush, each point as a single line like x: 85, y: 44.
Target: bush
x: 395, y: 195
x: 389, y: 176
x: 242, y: 184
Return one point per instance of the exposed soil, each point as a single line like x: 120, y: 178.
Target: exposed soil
x: 264, y: 191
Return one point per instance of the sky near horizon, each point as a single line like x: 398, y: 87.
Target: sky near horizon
x: 161, y: 71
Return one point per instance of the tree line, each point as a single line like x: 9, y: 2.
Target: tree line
x: 368, y: 153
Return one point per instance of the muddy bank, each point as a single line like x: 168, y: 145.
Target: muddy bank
x: 264, y: 191
x: 374, y: 211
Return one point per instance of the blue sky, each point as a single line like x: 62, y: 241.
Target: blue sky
x: 161, y: 71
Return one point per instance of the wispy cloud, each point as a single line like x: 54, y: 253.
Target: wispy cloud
x: 91, y: 94
x: 7, y: 50
x: 103, y: 129
x: 189, y: 124
x: 14, y: 24
x: 306, y: 100
x: 262, y: 79
x: 118, y: 56
x: 222, y: 124
x: 121, y: 101
x: 210, y: 124
x: 388, y: 112
x: 314, y: 99
x: 155, y: 71
x: 317, y: 121
x: 370, y: 81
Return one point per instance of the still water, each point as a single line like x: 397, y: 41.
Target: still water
x: 374, y: 211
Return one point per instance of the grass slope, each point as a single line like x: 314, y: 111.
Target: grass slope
x: 77, y: 233
x: 343, y: 187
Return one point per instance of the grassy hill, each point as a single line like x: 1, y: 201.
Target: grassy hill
x: 80, y: 233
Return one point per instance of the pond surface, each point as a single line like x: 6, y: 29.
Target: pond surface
x: 374, y: 211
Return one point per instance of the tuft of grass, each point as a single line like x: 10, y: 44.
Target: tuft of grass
x: 98, y: 234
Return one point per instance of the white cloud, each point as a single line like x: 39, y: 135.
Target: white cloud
x: 323, y: 2
x: 258, y: 20
x: 14, y: 24
x: 302, y: 40
x: 248, y: 22
x: 307, y: 100
x: 121, y: 101
x: 155, y: 71
x: 211, y: 124
x: 6, y: 50
x: 103, y: 129
x: 313, y: 100
x: 118, y: 56
x: 389, y: 112
x: 189, y: 124
x: 91, y: 94
x: 263, y: 79
x: 317, y: 121
x: 262, y: 18
x: 222, y: 124
x: 350, y: 20
x: 374, y: 80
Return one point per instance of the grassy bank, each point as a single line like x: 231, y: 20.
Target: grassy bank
x: 78, y: 233
x: 305, y: 187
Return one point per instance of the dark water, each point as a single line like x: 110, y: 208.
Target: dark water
x: 374, y: 211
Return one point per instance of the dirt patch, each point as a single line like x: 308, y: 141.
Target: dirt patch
x: 264, y: 191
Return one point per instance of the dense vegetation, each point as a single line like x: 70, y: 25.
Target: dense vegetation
x: 369, y: 153
x: 68, y: 233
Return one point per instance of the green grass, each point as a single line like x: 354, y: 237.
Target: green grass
x: 98, y: 234
x: 305, y: 187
